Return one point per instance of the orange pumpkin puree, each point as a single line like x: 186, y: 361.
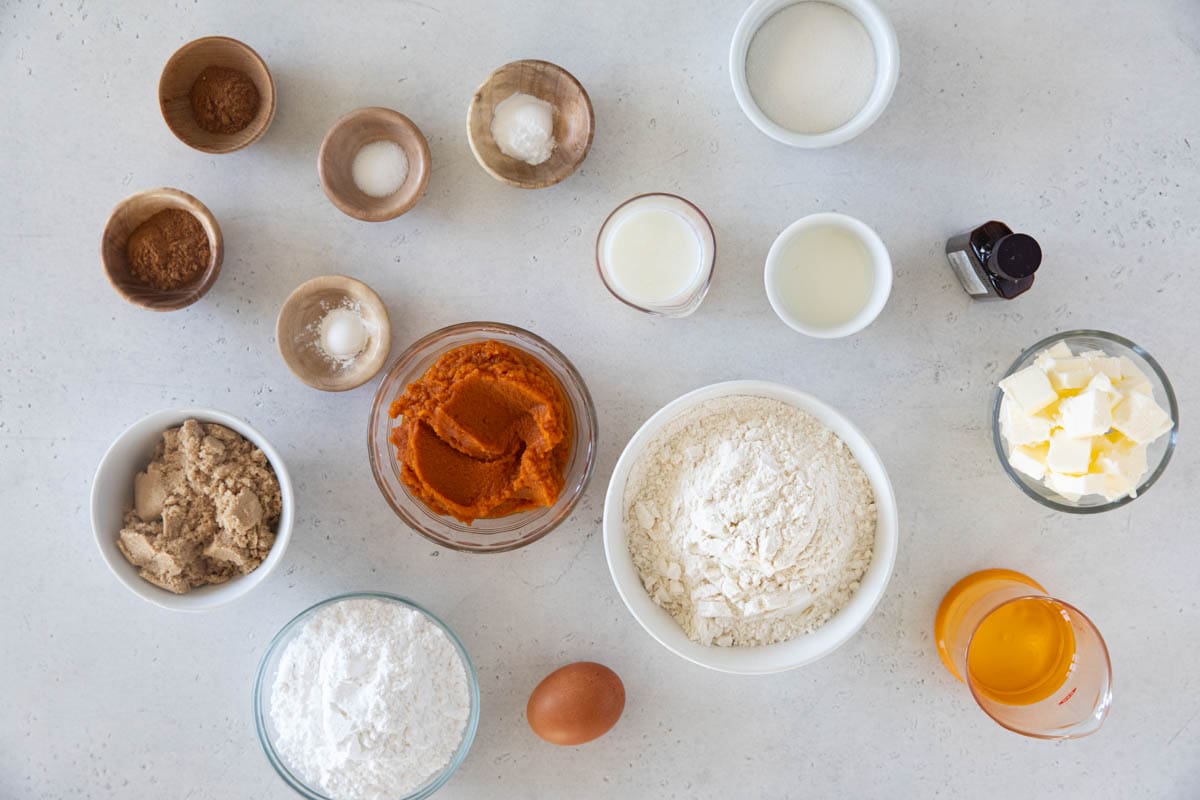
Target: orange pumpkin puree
x: 485, y: 433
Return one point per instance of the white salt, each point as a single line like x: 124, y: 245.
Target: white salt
x: 342, y: 334
x: 811, y: 67
x: 380, y: 168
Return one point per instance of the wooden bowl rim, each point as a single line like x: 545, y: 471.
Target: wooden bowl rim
x: 270, y: 98
x: 381, y: 210
x: 540, y: 183
x: 336, y: 282
x: 216, y: 244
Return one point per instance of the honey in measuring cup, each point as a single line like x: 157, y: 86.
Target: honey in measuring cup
x: 1035, y: 664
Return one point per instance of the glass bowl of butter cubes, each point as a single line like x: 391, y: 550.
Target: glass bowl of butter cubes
x: 1085, y: 421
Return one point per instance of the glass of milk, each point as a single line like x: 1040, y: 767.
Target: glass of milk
x: 828, y: 275
x: 655, y: 252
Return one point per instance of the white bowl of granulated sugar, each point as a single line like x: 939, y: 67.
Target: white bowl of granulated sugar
x: 750, y: 528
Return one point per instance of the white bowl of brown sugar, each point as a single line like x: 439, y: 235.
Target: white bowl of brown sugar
x: 191, y: 508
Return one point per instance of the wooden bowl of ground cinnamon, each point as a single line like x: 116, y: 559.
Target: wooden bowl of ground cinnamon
x: 217, y: 95
x: 162, y: 249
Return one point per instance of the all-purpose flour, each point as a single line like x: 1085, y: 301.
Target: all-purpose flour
x: 370, y: 701
x: 749, y: 521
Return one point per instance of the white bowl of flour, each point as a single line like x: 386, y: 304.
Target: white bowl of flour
x: 737, y: 527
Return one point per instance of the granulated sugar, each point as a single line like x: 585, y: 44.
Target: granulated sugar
x: 749, y: 521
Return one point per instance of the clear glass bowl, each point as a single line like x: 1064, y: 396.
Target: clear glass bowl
x: 484, y: 535
x: 1159, y: 452
x: 266, y: 679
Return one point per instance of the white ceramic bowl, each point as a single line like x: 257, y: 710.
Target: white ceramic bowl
x: 776, y: 657
x: 887, y: 70
x: 112, y: 494
x: 881, y: 264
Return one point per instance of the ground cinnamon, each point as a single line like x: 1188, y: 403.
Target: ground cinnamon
x: 224, y: 100
x: 168, y: 251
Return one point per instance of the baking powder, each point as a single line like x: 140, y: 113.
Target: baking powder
x: 370, y: 700
x: 749, y: 521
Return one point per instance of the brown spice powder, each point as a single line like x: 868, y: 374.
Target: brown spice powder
x: 224, y: 100
x: 168, y: 250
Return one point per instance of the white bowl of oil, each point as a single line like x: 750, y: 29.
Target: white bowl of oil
x: 828, y: 275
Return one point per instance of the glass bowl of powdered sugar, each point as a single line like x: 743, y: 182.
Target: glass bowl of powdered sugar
x: 363, y: 696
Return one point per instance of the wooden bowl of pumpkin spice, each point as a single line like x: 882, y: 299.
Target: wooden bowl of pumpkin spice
x: 162, y: 249
x: 217, y: 95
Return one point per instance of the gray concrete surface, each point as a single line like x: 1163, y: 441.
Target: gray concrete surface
x: 1077, y: 122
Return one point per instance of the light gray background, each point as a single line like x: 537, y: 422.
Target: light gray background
x: 1077, y: 122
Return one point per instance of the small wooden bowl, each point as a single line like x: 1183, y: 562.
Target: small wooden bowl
x: 296, y: 332
x: 574, y: 122
x: 126, y: 217
x: 181, y: 71
x: 336, y: 161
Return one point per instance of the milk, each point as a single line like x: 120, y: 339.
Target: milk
x: 656, y: 252
x: 826, y: 276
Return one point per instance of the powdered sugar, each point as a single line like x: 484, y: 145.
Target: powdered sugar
x: 370, y: 700
x: 749, y: 521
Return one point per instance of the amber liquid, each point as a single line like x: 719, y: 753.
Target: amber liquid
x: 1020, y: 653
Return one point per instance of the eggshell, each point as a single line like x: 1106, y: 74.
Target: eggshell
x: 576, y: 704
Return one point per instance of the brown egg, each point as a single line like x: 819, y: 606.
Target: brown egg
x: 577, y: 703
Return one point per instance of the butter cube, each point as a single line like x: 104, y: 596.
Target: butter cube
x: 1070, y: 373
x: 1107, y: 365
x: 1074, y: 487
x: 1087, y: 414
x: 1018, y: 428
x: 1133, y: 379
x: 1123, y: 464
x: 1140, y: 418
x: 1069, y: 455
x: 1030, y: 389
x: 1029, y: 460
x: 1103, y: 383
x: 1056, y: 350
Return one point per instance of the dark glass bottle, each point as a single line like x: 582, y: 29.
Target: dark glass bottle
x: 993, y: 263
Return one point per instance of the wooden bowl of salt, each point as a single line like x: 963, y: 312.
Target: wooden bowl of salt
x: 574, y: 122
x: 334, y: 333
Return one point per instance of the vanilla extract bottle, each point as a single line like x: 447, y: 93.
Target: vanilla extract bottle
x: 993, y: 263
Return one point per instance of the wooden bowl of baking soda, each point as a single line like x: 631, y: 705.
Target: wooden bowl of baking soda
x: 162, y: 249
x: 217, y: 95
x: 531, y: 124
x: 374, y: 164
x: 334, y: 333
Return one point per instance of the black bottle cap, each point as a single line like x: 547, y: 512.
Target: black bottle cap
x: 1015, y: 256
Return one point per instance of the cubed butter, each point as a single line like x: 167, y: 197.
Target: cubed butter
x: 1140, y: 418
x: 1075, y: 486
x: 1029, y: 460
x: 1019, y: 428
x: 1070, y: 373
x: 1069, y: 455
x: 1030, y: 389
x: 1056, y: 350
x: 1133, y: 379
x: 1087, y: 414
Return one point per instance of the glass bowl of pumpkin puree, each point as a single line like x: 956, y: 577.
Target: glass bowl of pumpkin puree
x: 482, y: 437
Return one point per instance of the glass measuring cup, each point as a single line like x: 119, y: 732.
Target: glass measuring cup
x: 1033, y: 663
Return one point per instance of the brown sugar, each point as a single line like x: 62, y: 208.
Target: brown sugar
x: 224, y: 100
x: 204, y: 509
x: 485, y: 433
x: 168, y: 250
